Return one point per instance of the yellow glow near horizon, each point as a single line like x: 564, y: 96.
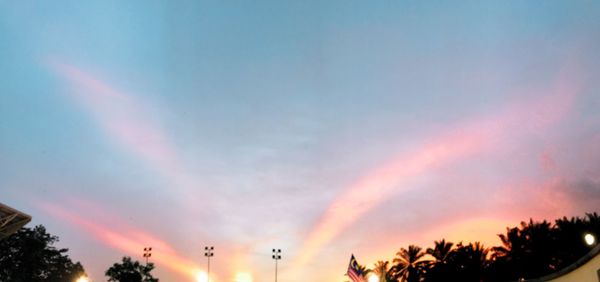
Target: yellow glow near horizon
x: 83, y: 279
x: 201, y: 276
x: 373, y: 278
x: 243, y: 277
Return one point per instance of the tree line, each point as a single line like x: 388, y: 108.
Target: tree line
x: 531, y: 250
x: 29, y: 255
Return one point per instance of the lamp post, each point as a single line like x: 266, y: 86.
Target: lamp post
x: 276, y: 257
x: 147, y: 253
x: 589, y: 239
x: 208, y: 252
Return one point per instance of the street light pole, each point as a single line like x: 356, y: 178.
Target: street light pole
x: 276, y: 257
x: 208, y: 252
x: 147, y: 253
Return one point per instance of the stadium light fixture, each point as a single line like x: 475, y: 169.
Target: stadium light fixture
x: 147, y: 253
x: 208, y: 252
x: 276, y: 257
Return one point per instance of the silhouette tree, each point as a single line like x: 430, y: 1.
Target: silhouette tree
x: 409, y: 264
x: 364, y: 270
x: 593, y: 220
x: 130, y: 271
x: 536, y: 249
x: 468, y: 262
x: 441, y: 251
x: 568, y: 234
x: 29, y: 256
x: 383, y: 271
x: 527, y: 251
x: 439, y: 268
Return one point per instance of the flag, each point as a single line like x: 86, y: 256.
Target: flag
x: 354, y: 272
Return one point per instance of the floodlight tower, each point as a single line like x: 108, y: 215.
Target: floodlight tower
x: 208, y: 252
x: 147, y: 253
x: 276, y: 257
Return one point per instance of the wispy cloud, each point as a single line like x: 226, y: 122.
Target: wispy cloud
x: 482, y: 136
x: 126, y: 120
x: 116, y: 234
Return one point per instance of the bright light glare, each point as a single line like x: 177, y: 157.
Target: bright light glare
x: 243, y: 277
x: 201, y: 276
x: 373, y: 278
x: 83, y: 279
x: 589, y: 239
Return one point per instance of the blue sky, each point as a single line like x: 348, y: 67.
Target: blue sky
x: 319, y: 128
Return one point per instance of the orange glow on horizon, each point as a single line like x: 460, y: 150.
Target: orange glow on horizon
x: 243, y: 277
x: 473, y: 138
x: 469, y: 230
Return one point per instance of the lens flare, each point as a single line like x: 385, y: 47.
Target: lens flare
x: 243, y: 277
x: 201, y: 276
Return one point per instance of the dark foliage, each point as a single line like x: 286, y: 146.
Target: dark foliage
x: 130, y: 271
x: 440, y: 267
x: 409, y: 264
x: 383, y: 271
x: 531, y: 250
x: 468, y: 262
x: 28, y: 256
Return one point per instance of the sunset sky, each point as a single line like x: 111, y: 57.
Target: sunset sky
x: 323, y: 128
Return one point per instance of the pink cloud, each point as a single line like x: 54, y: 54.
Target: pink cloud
x: 480, y: 137
x: 114, y: 233
x: 542, y: 199
x: 125, y: 119
x: 547, y: 161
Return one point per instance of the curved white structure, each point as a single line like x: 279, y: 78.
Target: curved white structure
x: 586, y: 269
x: 11, y: 220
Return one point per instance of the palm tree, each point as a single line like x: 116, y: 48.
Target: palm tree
x: 479, y: 253
x: 593, y: 219
x: 468, y: 262
x: 439, y: 269
x: 567, y: 239
x: 529, y: 250
x: 512, y: 242
x: 440, y: 251
x: 364, y: 270
x: 409, y: 264
x: 383, y: 271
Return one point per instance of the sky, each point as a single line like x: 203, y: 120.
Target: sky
x: 321, y: 128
